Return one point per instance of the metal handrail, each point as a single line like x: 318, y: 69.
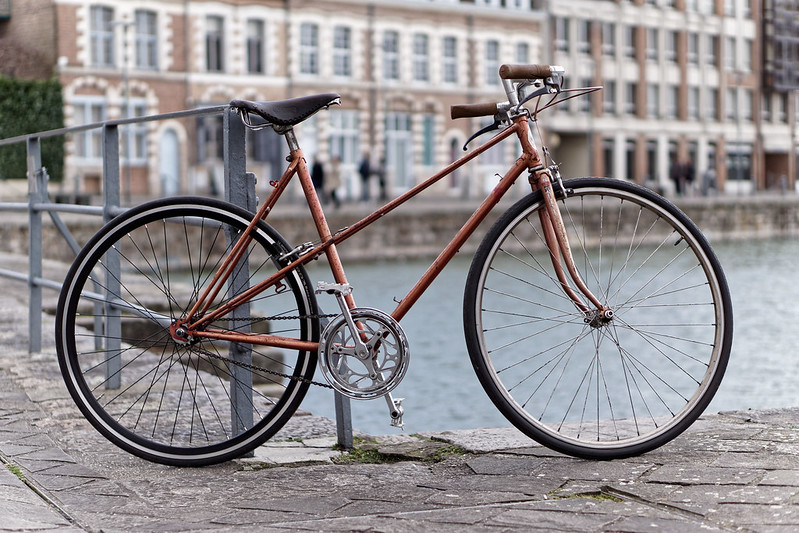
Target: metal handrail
x: 239, y: 189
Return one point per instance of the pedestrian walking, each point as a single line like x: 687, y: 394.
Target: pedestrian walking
x: 365, y: 171
x: 381, y: 179
x: 318, y: 179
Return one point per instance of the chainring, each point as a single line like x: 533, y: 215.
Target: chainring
x: 377, y: 367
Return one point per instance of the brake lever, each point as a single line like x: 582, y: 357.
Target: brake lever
x: 491, y: 127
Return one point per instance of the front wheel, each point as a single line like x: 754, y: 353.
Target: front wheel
x: 182, y: 403
x: 596, y: 388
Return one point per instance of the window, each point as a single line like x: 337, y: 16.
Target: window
x: 214, y: 43
x: 629, y: 156
x: 782, y: 108
x: 342, y: 52
x: 399, y: 148
x: 746, y: 60
x: 428, y: 139
x: 391, y: 55
x: 630, y: 98
x: 561, y: 34
x: 692, y: 48
x: 729, y: 8
x: 651, y: 160
x: 146, y: 40
x: 712, y: 52
x: 89, y: 144
x: 584, y: 102
x: 747, y: 105
x: 652, y: 100
x: 629, y: 41
x: 522, y: 53
x: 712, y: 112
x: 309, y: 48
x: 609, y: 39
x: 672, y: 101
x: 493, y: 157
x: 671, y: 46
x: 584, y: 36
x: 607, y: 157
x: 421, y: 57
x: 210, y: 133
x: 693, y: 103
x: 707, y: 7
x: 767, y: 110
x: 731, y: 104
x: 450, y: 60
x: 652, y: 46
x: 345, y: 135
x: 138, y: 132
x: 730, y: 62
x: 255, y: 46
x: 609, y: 97
x: 492, y: 62
x: 101, y: 36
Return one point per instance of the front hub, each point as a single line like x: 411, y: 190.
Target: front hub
x: 596, y: 318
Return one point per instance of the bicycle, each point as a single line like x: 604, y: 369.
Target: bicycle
x: 596, y: 315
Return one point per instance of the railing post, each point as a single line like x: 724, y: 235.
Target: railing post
x: 239, y: 190
x: 111, y: 313
x: 37, y: 193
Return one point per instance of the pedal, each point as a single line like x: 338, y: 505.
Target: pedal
x: 333, y: 288
x: 395, y: 410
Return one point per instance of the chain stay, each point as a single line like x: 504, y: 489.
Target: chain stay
x: 249, y: 366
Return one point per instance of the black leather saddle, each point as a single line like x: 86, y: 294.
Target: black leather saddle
x: 288, y: 112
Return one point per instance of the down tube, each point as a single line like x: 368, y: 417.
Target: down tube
x: 457, y: 241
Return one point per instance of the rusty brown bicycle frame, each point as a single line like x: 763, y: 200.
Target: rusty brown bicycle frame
x: 555, y: 237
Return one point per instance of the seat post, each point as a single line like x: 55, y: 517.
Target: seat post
x: 291, y: 139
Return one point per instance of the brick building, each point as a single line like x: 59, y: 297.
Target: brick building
x: 398, y: 66
x: 684, y: 81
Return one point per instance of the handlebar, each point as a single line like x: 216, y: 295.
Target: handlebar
x: 514, y: 77
x: 488, y: 109
x: 524, y: 72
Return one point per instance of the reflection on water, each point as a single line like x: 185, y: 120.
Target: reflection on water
x: 442, y: 391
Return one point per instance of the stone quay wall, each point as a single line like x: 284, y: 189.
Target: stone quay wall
x: 423, y: 229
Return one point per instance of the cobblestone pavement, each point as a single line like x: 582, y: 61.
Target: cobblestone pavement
x: 730, y: 472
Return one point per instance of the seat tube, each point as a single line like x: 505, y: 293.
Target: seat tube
x: 318, y: 215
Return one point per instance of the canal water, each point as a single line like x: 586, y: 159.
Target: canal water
x: 442, y: 392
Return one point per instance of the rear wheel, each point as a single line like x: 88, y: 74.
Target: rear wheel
x: 587, y: 386
x: 191, y: 403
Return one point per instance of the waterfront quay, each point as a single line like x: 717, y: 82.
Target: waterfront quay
x: 422, y: 227
x: 732, y: 471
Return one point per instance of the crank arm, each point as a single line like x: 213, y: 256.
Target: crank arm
x: 395, y: 410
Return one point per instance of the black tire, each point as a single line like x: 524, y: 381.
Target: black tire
x: 595, y: 390
x: 162, y: 401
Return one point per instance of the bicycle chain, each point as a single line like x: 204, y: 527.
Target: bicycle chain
x: 249, y: 366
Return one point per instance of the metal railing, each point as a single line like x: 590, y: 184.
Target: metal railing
x: 239, y: 187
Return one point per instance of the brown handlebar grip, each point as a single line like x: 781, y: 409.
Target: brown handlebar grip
x: 524, y: 72
x: 473, y: 110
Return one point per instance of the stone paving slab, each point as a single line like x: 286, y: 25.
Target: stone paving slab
x: 729, y: 472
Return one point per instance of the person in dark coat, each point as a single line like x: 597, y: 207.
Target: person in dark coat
x: 318, y: 179
x: 365, y: 171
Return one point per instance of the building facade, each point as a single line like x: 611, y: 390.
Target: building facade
x: 684, y: 85
x: 398, y: 66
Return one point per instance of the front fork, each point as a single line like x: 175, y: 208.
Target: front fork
x: 557, y: 241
